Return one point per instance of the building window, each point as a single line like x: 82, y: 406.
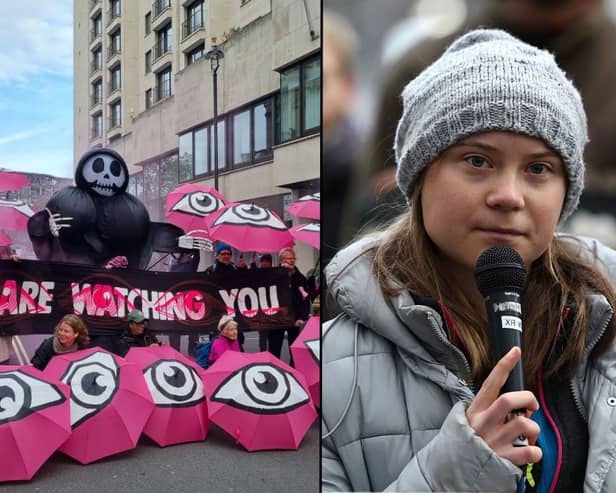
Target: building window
x: 186, y: 157
x: 159, y: 6
x: 148, y: 23
x: 97, y: 60
x: 115, y: 8
x: 97, y: 27
x: 300, y: 100
x: 115, y: 76
x: 194, y: 55
x: 148, y: 61
x: 164, y: 40
x: 97, y: 125
x: 97, y: 92
x: 163, y: 84
x: 201, y: 148
x: 148, y: 98
x: 116, y: 114
x: 263, y: 129
x: 241, y: 138
x: 194, y: 18
x: 115, y: 42
x: 222, y: 155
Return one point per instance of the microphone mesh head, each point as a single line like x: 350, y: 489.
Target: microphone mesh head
x: 498, y: 268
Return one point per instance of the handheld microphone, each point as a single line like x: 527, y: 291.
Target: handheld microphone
x: 500, y: 276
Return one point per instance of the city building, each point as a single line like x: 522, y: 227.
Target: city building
x: 144, y: 86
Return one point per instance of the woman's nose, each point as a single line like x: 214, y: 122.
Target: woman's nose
x: 506, y: 192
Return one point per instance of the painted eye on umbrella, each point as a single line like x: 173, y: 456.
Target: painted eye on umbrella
x: 314, y: 196
x: 314, y: 346
x: 94, y: 382
x: 22, y: 394
x: 198, y: 204
x: 174, y: 384
x: 250, y: 214
x: 310, y: 228
x: 263, y: 389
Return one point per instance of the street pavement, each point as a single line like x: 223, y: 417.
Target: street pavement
x: 215, y: 465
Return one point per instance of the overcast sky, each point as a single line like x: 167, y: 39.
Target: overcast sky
x: 36, y: 86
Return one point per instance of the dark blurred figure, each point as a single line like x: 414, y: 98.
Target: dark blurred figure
x: 582, y: 37
x: 265, y: 262
x: 340, y: 139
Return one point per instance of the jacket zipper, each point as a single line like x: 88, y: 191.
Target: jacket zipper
x: 574, y: 391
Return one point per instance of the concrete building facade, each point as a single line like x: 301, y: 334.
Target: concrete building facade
x: 144, y: 87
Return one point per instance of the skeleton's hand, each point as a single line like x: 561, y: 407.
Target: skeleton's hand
x: 195, y: 243
x: 57, y: 222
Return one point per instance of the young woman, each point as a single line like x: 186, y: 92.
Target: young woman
x: 70, y: 335
x: 490, y: 153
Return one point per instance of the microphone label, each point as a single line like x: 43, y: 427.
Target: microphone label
x: 509, y: 322
x: 508, y: 306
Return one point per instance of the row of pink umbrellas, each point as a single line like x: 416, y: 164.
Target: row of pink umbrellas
x: 246, y: 227
x: 91, y: 404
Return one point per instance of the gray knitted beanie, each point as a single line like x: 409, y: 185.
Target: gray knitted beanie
x: 487, y: 80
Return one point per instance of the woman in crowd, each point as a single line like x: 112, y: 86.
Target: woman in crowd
x: 70, y: 335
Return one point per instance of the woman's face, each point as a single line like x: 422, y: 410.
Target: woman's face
x: 495, y: 188
x: 230, y: 331
x: 66, y: 335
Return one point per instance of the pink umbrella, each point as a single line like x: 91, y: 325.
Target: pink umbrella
x: 176, y: 385
x: 5, y: 240
x: 110, y: 402
x: 34, y: 420
x: 308, y: 206
x: 189, y: 204
x: 306, y: 351
x: 12, y: 181
x: 14, y: 215
x: 309, y: 233
x: 259, y: 400
x: 249, y: 228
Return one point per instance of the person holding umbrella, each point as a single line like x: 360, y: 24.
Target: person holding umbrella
x: 71, y: 334
x: 136, y: 334
x: 300, y: 304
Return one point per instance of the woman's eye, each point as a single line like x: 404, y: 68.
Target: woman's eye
x: 476, y: 161
x: 538, y: 168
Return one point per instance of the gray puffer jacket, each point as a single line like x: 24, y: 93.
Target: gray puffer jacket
x: 395, y: 393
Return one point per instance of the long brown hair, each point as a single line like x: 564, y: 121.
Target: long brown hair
x: 75, y: 322
x: 559, y: 278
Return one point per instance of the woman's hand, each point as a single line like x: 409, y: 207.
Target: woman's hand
x: 489, y: 411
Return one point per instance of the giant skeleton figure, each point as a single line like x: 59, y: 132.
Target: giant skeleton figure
x: 97, y: 219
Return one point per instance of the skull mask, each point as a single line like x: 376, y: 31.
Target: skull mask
x: 103, y: 171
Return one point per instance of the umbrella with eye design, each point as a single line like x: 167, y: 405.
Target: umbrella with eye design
x: 259, y: 400
x: 34, y: 420
x: 188, y: 205
x: 110, y: 402
x: 12, y: 181
x: 175, y: 382
x: 249, y: 228
x: 306, y: 350
x: 308, y: 206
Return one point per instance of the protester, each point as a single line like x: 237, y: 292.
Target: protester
x: 226, y: 340
x: 118, y: 262
x: 489, y: 151
x: 185, y: 262
x: 70, y: 335
x: 136, y: 334
x: 300, y: 304
x: 265, y: 262
x: 222, y: 267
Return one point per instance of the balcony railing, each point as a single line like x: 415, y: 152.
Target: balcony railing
x: 160, y: 49
x: 161, y: 92
x: 159, y: 7
x: 113, y: 50
x: 191, y: 25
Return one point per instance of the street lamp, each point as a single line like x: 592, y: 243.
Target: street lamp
x: 214, y: 56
